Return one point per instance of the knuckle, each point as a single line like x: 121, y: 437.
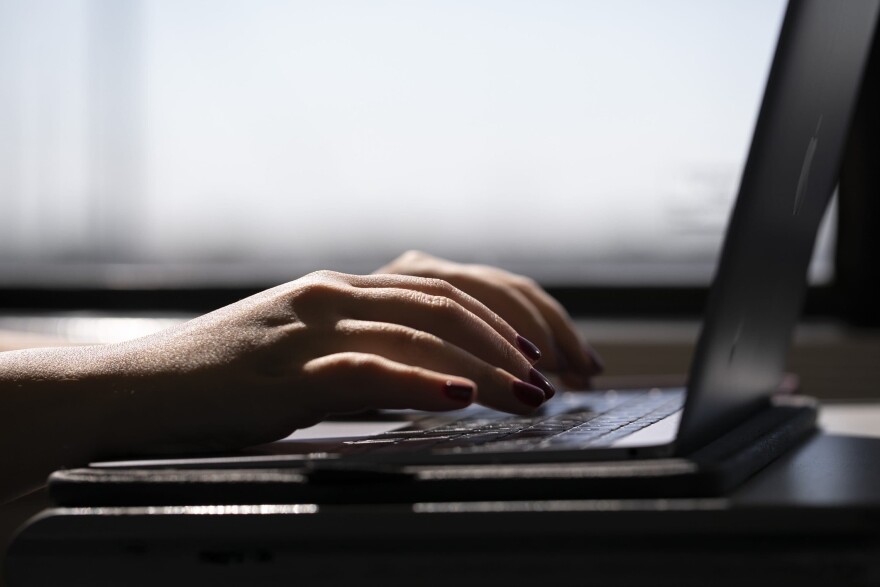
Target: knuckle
x: 363, y: 364
x: 526, y: 282
x: 413, y: 255
x: 319, y: 286
x: 417, y: 298
x: 441, y: 285
x: 444, y: 305
x: 435, y: 285
x: 325, y: 275
x: 513, y: 356
x: 419, y: 338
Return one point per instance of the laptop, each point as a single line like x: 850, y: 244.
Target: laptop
x: 728, y: 415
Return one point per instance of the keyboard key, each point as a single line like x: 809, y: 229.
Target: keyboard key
x: 607, y: 419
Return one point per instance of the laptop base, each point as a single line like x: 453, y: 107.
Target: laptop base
x: 712, y: 470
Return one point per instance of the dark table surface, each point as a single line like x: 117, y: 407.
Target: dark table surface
x: 810, y: 518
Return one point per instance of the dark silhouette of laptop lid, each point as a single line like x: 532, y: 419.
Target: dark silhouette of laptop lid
x: 789, y: 177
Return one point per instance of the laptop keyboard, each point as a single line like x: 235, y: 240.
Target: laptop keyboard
x: 600, y: 422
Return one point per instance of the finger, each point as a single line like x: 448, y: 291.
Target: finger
x: 582, y: 359
x: 443, y: 289
x: 498, y: 388
x: 440, y: 287
x: 514, y: 307
x: 353, y: 381
x: 574, y: 358
x: 443, y: 317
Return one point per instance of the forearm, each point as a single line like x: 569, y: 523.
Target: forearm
x: 63, y: 407
x: 54, y: 402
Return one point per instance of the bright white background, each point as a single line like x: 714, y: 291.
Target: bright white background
x: 580, y: 141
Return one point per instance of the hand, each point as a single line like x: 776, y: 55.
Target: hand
x: 522, y: 303
x: 326, y: 343
x: 283, y: 359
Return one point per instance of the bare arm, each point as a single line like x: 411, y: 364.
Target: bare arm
x: 259, y: 369
x: 51, y: 412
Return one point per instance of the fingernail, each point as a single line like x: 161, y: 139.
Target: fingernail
x: 538, y: 379
x: 528, y: 393
x: 528, y: 348
x: 596, y: 361
x: 460, y: 392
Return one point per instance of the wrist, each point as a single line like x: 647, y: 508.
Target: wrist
x: 53, y: 409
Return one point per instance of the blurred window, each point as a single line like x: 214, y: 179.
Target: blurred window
x: 215, y: 141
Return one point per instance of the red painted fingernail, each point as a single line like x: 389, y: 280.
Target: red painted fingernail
x: 528, y: 393
x: 460, y: 392
x: 528, y: 348
x: 538, y: 379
